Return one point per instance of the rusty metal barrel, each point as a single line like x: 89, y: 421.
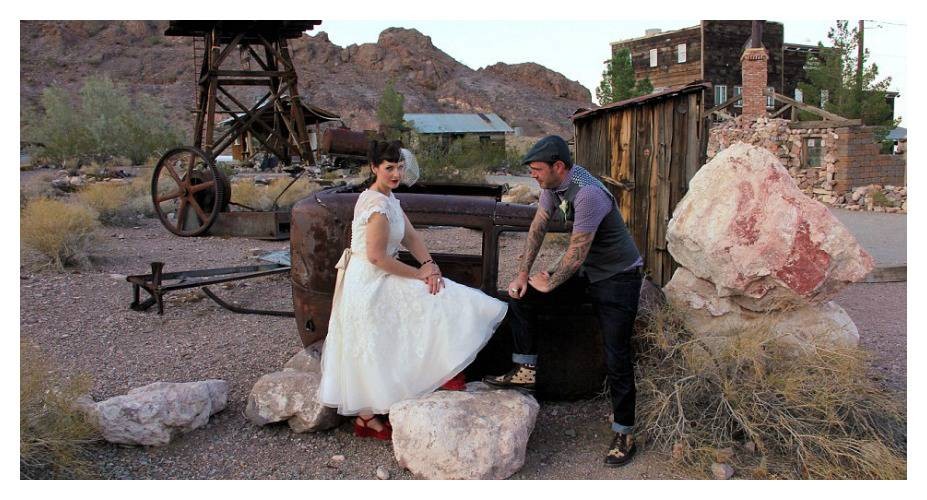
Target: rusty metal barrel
x: 344, y: 141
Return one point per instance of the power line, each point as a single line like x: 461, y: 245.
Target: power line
x: 884, y: 22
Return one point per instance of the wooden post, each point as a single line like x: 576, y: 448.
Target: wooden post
x: 213, y: 53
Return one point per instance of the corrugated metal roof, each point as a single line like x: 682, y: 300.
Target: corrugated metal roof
x: 897, y: 134
x: 456, y: 123
x: 669, y: 92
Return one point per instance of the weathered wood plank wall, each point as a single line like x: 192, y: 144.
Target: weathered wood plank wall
x: 653, y: 150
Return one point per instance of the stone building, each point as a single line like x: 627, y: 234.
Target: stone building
x: 711, y: 51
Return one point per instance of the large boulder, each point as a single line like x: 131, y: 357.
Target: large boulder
x: 707, y: 314
x: 746, y: 227
x: 152, y: 415
x: 290, y: 395
x: 477, y: 434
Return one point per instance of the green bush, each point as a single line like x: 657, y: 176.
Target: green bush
x: 105, y: 122
x: 461, y: 161
x: 880, y: 200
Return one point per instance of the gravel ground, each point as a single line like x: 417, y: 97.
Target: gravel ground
x: 83, y: 322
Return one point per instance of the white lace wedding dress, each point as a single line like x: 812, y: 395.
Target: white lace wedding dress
x: 389, y: 339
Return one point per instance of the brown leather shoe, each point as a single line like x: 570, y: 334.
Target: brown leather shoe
x: 519, y: 377
x: 621, y: 450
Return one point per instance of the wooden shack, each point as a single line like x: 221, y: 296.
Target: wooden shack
x: 646, y: 150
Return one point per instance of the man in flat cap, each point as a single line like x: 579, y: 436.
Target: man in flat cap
x: 602, y: 266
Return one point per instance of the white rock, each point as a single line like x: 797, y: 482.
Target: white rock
x: 382, y: 473
x: 709, y: 315
x: 290, y: 395
x: 746, y: 227
x: 522, y: 193
x: 154, y: 414
x: 463, y: 435
x: 307, y: 360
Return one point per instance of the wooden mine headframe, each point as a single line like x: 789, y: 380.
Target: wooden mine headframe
x: 276, y: 72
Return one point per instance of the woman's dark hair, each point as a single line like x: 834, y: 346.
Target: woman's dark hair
x: 380, y: 151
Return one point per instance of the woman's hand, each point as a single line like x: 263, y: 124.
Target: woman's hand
x: 431, y: 275
x: 435, y: 283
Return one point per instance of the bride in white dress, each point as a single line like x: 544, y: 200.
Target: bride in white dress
x: 396, y: 332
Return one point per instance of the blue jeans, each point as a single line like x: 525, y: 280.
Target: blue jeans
x: 615, y: 302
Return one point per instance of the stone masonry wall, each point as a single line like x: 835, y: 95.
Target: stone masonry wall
x: 852, y: 173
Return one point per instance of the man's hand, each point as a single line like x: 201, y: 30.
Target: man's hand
x: 541, y: 282
x: 518, y: 286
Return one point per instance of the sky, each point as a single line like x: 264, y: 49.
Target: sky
x: 578, y: 48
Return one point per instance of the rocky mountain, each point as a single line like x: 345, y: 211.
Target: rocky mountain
x: 346, y: 80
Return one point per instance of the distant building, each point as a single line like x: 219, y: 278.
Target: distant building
x: 445, y: 129
x: 711, y: 52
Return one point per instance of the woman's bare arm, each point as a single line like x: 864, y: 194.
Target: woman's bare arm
x: 377, y: 238
x: 414, y: 242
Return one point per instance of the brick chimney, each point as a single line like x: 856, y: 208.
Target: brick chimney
x: 753, y: 64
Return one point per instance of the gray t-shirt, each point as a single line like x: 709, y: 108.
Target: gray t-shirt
x: 590, y: 206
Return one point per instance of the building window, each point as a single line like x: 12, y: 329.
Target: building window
x: 738, y: 90
x: 653, y: 58
x: 824, y: 95
x: 720, y: 94
x: 770, y: 100
x: 798, y: 96
x: 813, y: 151
x: 681, y: 53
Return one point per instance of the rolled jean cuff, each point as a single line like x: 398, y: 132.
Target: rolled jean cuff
x: 525, y: 359
x: 623, y: 429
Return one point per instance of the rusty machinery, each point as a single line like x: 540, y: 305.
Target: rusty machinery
x: 188, y: 191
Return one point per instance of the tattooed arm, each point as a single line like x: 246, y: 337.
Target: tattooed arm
x: 536, y: 232
x: 573, y: 258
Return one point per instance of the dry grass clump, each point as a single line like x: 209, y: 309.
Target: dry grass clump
x: 261, y: 197
x: 787, y: 411
x: 140, y: 193
x: 38, y: 186
x: 53, y: 432
x: 119, y: 203
x: 60, y: 232
x: 108, y: 199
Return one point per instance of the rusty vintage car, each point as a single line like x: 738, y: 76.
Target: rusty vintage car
x: 570, y: 348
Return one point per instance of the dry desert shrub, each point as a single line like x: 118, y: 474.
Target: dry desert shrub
x: 786, y: 411
x: 261, y: 197
x: 140, y: 193
x: 108, y: 199
x: 120, y: 203
x: 38, y: 186
x: 60, y: 232
x: 53, y: 432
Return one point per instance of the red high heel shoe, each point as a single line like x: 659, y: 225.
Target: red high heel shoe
x: 458, y: 383
x: 384, y: 434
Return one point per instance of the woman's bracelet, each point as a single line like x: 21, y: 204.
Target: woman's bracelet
x: 427, y: 261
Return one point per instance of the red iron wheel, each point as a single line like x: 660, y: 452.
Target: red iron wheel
x: 188, y: 191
